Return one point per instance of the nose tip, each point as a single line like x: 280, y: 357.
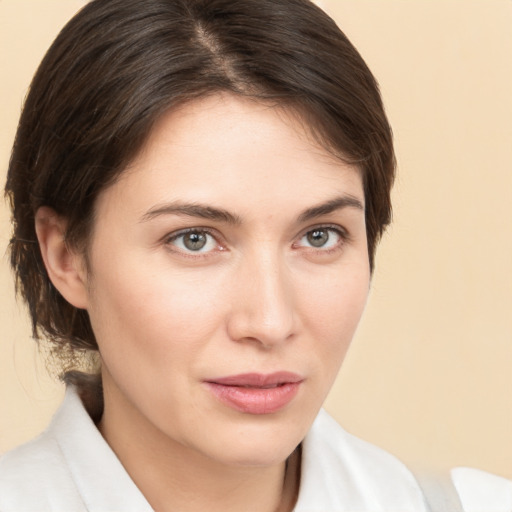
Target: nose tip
x: 263, y: 309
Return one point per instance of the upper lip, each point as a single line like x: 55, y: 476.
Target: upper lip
x: 258, y: 380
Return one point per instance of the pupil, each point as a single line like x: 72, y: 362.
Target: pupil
x: 194, y: 241
x: 318, y: 238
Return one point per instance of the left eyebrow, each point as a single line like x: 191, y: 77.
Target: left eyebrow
x: 338, y: 203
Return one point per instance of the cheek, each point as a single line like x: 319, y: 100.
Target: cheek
x: 335, y: 306
x: 144, y: 309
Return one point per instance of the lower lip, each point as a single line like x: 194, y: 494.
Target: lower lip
x: 254, y: 400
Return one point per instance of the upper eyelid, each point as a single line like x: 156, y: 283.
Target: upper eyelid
x: 334, y: 227
x: 180, y: 232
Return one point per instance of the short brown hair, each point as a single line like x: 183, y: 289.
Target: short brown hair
x: 118, y: 65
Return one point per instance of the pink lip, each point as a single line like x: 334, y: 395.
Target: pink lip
x: 255, y: 393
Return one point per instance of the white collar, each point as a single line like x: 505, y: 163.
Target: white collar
x: 343, y: 473
x: 100, y: 478
x: 339, y: 472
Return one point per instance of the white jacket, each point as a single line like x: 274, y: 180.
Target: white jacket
x: 70, y: 468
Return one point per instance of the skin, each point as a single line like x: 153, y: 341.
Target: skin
x: 258, y: 297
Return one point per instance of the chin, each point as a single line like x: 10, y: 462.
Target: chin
x: 260, y: 454
x: 260, y: 441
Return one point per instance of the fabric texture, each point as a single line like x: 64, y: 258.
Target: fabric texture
x: 70, y: 467
x: 439, y: 491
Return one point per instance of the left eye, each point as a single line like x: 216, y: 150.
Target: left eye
x: 321, y: 238
x: 193, y: 241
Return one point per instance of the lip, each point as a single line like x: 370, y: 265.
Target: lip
x: 256, y: 393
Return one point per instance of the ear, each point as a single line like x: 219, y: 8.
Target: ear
x: 66, y: 268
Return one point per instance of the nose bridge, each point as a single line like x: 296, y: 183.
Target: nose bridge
x: 263, y: 308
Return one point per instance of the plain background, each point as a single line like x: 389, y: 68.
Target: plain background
x: 429, y: 375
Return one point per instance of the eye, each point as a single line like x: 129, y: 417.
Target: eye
x: 323, y: 238
x: 193, y: 241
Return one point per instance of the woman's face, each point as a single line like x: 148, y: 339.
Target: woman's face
x: 228, y: 272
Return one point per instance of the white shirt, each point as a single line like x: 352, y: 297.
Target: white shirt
x: 71, y: 468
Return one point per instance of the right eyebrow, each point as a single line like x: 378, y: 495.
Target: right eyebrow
x: 191, y: 210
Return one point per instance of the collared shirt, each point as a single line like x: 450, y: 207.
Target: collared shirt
x: 71, y: 468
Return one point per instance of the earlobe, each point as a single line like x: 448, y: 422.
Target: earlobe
x: 65, y: 267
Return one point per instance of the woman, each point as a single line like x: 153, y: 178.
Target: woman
x: 198, y: 188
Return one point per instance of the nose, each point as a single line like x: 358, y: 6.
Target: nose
x: 263, y: 303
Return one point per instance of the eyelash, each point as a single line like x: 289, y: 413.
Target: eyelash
x: 341, y: 233
x: 337, y: 230
x: 200, y: 231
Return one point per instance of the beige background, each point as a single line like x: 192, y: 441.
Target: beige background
x: 429, y: 376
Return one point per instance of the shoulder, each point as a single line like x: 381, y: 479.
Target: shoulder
x: 353, y: 474
x: 35, y: 476
x: 480, y: 491
x: 341, y: 472
x: 69, y: 467
x: 38, y: 475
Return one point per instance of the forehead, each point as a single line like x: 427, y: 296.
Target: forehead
x: 236, y: 151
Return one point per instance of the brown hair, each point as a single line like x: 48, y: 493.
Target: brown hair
x: 120, y: 64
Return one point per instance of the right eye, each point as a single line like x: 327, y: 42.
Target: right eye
x: 194, y: 241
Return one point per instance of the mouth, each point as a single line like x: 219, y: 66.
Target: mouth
x: 254, y: 393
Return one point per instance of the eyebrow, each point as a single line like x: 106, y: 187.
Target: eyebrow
x: 338, y: 203
x: 219, y: 214
x: 192, y: 210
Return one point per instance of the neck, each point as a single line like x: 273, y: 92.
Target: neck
x: 175, y: 477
